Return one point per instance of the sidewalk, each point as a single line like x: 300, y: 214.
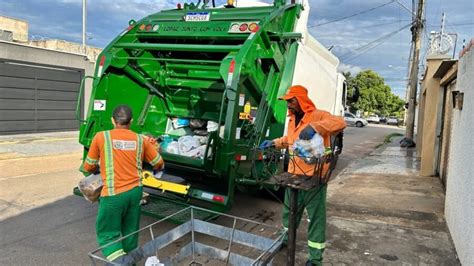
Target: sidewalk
x: 380, y: 211
x: 39, y: 144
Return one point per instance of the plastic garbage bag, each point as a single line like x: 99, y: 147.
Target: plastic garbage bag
x: 164, y: 141
x: 197, y: 152
x: 153, y: 261
x: 309, y: 150
x: 197, y: 123
x: 202, y: 139
x: 187, y: 143
x: 173, y: 147
x: 212, y: 126
x: 90, y: 187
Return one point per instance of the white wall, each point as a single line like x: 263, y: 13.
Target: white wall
x: 459, y: 209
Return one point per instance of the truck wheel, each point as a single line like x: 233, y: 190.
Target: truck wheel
x: 359, y: 124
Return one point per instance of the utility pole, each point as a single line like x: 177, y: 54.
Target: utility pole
x: 84, y: 22
x: 417, y: 30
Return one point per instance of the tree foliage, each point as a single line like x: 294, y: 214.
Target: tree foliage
x: 376, y: 97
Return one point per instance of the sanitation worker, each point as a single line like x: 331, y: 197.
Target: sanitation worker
x: 120, y: 153
x: 305, y: 121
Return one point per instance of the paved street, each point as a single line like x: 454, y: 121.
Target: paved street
x: 42, y: 223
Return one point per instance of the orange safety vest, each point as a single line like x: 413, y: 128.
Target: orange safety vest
x: 120, y: 154
x: 323, y: 122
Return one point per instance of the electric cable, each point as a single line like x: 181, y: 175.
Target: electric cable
x: 353, y: 15
x: 370, y: 45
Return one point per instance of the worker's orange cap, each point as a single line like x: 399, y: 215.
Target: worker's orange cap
x: 295, y: 91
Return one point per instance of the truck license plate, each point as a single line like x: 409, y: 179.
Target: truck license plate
x: 197, y: 16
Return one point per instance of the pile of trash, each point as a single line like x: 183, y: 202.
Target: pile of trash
x: 194, y: 140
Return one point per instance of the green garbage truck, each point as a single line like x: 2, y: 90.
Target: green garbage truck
x: 204, y: 80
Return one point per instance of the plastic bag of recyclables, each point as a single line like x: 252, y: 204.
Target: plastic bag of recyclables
x: 91, y: 186
x: 310, y: 150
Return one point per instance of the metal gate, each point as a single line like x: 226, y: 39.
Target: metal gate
x: 37, y: 98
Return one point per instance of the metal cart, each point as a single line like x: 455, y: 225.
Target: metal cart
x: 234, y: 241
x: 323, y: 168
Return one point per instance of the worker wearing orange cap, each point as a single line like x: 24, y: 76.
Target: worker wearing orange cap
x: 305, y: 121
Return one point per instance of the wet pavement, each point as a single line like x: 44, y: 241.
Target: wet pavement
x: 380, y: 211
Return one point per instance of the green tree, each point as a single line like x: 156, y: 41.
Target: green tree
x: 376, y: 97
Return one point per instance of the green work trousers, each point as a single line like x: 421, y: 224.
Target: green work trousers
x: 315, y: 203
x: 118, y: 216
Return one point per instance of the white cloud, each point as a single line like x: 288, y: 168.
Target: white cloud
x: 349, y: 68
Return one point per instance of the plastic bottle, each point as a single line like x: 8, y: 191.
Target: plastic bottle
x: 304, y: 154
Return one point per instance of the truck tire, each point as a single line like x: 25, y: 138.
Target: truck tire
x: 359, y: 124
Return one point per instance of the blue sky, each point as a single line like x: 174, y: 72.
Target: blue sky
x: 62, y: 19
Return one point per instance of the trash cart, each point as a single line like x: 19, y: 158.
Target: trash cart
x: 227, y: 240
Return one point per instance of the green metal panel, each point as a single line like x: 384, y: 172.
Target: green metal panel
x: 163, y: 66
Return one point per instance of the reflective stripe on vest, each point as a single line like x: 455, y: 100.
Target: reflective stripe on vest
x: 109, y: 163
x: 316, y: 245
x: 91, y: 161
x: 156, y: 160
x: 139, y: 157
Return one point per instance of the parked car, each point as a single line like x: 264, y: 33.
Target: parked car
x: 373, y: 119
x: 352, y: 120
x: 383, y: 119
x: 392, y: 121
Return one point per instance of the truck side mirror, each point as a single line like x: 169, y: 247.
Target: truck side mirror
x: 355, y: 94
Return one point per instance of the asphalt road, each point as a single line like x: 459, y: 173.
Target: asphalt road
x: 42, y: 223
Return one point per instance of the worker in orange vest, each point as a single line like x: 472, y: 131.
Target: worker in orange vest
x: 305, y: 121
x: 120, y: 153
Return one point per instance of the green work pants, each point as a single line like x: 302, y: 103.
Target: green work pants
x: 315, y: 203
x: 118, y: 216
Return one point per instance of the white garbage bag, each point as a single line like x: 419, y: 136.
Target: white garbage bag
x: 173, y: 147
x: 187, y: 143
x: 153, y: 261
x: 212, y: 126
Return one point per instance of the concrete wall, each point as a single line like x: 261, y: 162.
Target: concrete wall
x: 60, y: 45
x: 35, y: 55
x: 459, y: 209
x: 430, y: 107
x: 18, y: 27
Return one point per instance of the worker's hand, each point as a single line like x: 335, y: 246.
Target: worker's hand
x: 307, y: 133
x: 266, y: 144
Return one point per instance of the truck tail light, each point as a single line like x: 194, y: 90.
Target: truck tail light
x: 240, y: 157
x: 243, y: 27
x: 232, y: 66
x: 218, y: 198
x: 102, y: 60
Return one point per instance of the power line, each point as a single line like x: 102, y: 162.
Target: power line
x: 353, y: 15
x: 462, y: 24
x: 372, y: 44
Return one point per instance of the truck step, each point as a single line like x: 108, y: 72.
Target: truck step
x: 159, y: 207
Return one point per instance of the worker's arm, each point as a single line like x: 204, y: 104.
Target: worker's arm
x: 329, y: 124
x: 152, y: 156
x: 91, y: 163
x: 281, y: 143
